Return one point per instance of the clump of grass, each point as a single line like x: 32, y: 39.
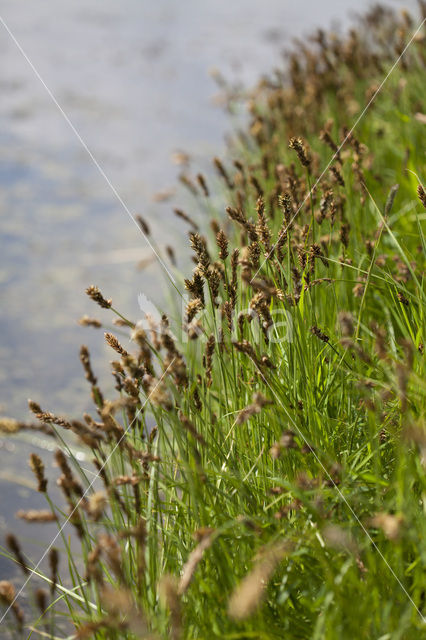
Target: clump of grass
x: 281, y: 491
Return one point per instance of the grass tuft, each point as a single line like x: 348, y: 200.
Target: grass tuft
x: 281, y: 491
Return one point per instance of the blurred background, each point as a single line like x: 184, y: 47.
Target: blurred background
x: 133, y: 78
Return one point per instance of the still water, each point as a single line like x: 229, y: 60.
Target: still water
x: 133, y: 79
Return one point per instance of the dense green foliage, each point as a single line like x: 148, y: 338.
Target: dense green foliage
x: 282, y: 492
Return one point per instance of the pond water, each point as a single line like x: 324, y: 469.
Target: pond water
x: 132, y: 77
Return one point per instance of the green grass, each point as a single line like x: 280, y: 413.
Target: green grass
x: 302, y: 517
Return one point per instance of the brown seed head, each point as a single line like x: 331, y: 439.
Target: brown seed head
x: 37, y: 467
x: 344, y: 234
x: 256, y: 185
x: 143, y: 225
x: 222, y: 243
x: 422, y: 195
x: 262, y: 228
x: 9, y: 425
x: 223, y: 173
x: 94, y: 293
x: 7, y: 592
x: 214, y: 278
x: 168, y: 591
x: 114, y: 343
x: 208, y: 358
x: 337, y: 175
x: 195, y: 557
x: 328, y: 140
x: 184, y: 216
x: 53, y: 564
x: 33, y: 515
x: 171, y: 253
x: 41, y: 600
x: 85, y: 321
x: 85, y: 361
x: 188, y: 183
x: 249, y: 593
x: 299, y: 147
x: 203, y: 184
x: 198, y: 245
x: 96, y: 505
x: 390, y: 199
x: 7, y: 598
x: 14, y: 546
x: 227, y: 312
x: 189, y: 426
x: 192, y: 308
x: 319, y: 334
